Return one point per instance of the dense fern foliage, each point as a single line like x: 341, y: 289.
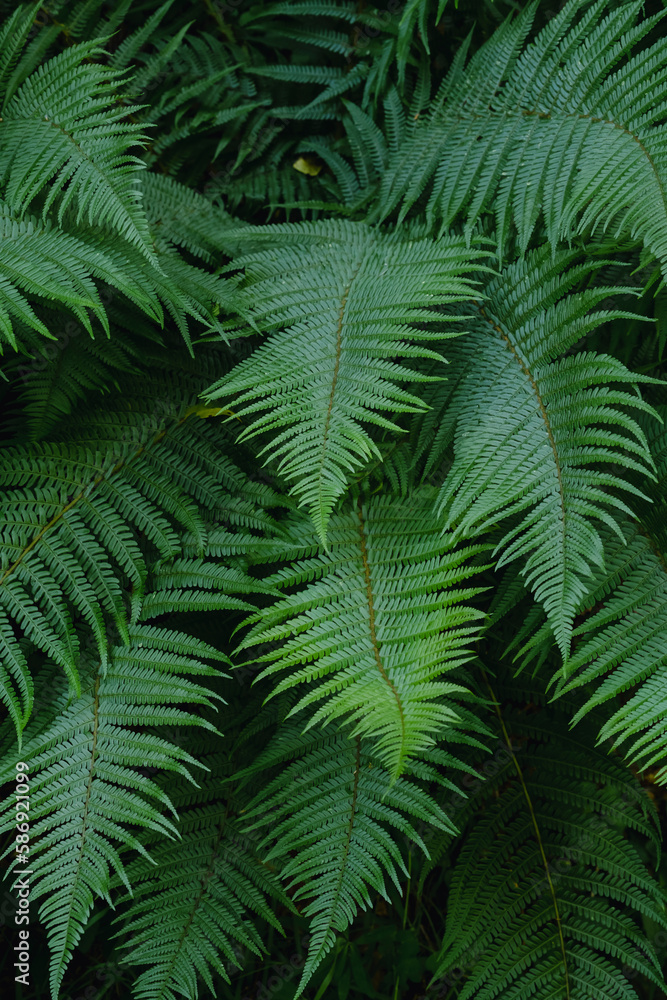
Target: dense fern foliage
x: 333, y: 542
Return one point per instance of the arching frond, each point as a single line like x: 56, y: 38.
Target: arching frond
x: 344, y: 299
x: 42, y: 262
x: 377, y: 621
x: 620, y: 655
x: 566, y: 129
x: 328, y: 817
x: 546, y: 891
x: 539, y: 432
x: 204, y: 886
x: 88, y: 797
x: 85, y: 515
x: 61, y: 125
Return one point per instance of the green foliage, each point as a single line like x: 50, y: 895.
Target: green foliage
x: 204, y: 883
x: 532, y: 424
x: 85, y: 785
x: 330, y: 813
x: 332, y: 550
x: 549, y: 860
x: 329, y: 366
x: 383, y: 619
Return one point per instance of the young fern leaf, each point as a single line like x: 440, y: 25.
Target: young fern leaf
x: 568, y: 129
x: 328, y: 818
x: 377, y: 620
x: 538, y: 435
x: 87, y: 792
x: 63, y: 126
x: 346, y: 300
x: 546, y: 890
x: 204, y: 885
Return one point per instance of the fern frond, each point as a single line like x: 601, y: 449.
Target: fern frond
x: 203, y: 887
x: 328, y: 817
x: 42, y: 262
x: 130, y: 47
x: 179, y: 216
x: 381, y: 623
x: 13, y: 36
x: 538, y: 431
x: 345, y: 299
x: 88, y: 794
x: 619, y: 658
x: 54, y: 382
x: 64, y: 126
x: 81, y: 515
x: 546, y: 890
x: 569, y: 130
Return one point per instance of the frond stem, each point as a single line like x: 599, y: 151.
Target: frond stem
x: 537, y: 832
x: 339, y: 345
x: 371, y: 619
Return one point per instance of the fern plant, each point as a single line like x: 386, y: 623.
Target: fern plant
x: 332, y: 550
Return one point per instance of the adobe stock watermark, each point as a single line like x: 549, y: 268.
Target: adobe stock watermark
x: 22, y: 884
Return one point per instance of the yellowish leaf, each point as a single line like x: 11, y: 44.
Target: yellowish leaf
x: 306, y: 166
x: 202, y: 411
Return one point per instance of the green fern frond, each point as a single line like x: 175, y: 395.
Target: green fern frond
x: 619, y: 655
x: 538, y: 432
x: 546, y: 890
x: 345, y: 299
x: 328, y: 816
x: 620, y: 649
x: 377, y: 620
x: 205, y: 886
x: 87, y: 790
x: 40, y: 261
x: 63, y: 126
x: 13, y: 36
x: 53, y: 383
x: 568, y: 130
x: 130, y: 47
x: 79, y: 518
